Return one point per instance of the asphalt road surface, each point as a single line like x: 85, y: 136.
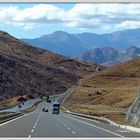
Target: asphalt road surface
x: 45, y: 124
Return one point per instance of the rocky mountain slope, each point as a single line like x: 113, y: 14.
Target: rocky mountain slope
x: 27, y: 70
x: 72, y: 44
x: 109, y: 93
x: 133, y: 114
x: 109, y: 56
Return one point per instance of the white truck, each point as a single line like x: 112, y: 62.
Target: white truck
x: 55, y: 107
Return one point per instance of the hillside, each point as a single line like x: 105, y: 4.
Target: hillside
x: 108, y: 93
x: 27, y: 70
x: 62, y: 42
x: 108, y: 56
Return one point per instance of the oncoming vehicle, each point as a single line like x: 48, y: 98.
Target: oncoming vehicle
x: 19, y: 106
x: 43, y: 109
x: 55, y: 107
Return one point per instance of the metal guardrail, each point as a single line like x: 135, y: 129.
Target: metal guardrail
x: 125, y: 127
x: 7, y: 114
x: 14, y: 114
x: 2, y: 118
x: 105, y: 120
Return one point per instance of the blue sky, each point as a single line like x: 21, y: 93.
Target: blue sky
x: 34, y: 20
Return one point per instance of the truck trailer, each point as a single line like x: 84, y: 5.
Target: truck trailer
x: 55, y: 107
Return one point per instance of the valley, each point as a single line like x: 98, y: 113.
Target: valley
x: 29, y: 71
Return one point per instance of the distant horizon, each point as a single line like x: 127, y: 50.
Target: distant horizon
x: 71, y: 33
x: 34, y: 20
x: 84, y: 32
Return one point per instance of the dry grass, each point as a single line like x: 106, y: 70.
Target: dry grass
x: 115, y: 87
x: 115, y: 114
x: 9, y: 103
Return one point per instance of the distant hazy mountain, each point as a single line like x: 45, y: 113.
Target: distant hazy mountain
x: 71, y: 44
x: 109, y: 56
x: 59, y: 42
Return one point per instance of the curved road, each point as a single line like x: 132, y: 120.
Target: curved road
x: 26, y: 105
x: 44, y: 124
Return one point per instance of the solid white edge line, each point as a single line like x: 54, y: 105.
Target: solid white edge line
x: 96, y: 126
x: 19, y: 117
x: 84, y: 118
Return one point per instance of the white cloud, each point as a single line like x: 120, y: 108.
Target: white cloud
x: 82, y: 16
x: 105, y: 15
x: 7, y: 13
x: 39, y: 12
x: 130, y: 24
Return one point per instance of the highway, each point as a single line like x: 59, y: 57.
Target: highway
x: 26, y: 105
x: 45, y: 124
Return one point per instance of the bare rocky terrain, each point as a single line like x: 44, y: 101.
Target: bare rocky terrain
x: 27, y: 70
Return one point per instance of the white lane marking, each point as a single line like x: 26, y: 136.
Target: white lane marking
x: 85, y: 118
x: 38, y: 118
x: 34, y: 126
x: 123, y: 131
x: 59, y: 121
x: 68, y: 128
x: 29, y: 136
x: 19, y: 117
x: 32, y: 130
x: 73, y: 132
x: 95, y: 126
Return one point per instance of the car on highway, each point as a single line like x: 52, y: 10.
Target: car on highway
x: 19, y: 106
x: 43, y: 109
x: 49, y: 101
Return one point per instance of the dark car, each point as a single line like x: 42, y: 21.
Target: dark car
x: 49, y: 101
x: 46, y: 110
x: 19, y: 106
x: 43, y: 109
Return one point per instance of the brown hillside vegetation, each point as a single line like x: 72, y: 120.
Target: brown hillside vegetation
x: 108, y: 93
x: 26, y: 70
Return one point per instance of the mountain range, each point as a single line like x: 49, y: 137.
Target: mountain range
x: 27, y: 70
x: 72, y: 44
x: 108, y: 56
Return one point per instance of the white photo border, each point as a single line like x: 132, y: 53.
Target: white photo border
x: 67, y: 2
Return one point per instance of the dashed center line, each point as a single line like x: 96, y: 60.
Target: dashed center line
x: 35, y: 123
x: 73, y: 132
x: 68, y: 128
